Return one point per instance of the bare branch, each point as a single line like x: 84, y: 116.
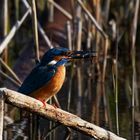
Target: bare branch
x: 1, y: 115
x: 58, y: 115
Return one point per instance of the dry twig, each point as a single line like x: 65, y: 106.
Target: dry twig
x: 64, y: 12
x: 13, y: 31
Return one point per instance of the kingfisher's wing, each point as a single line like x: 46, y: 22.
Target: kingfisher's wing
x: 38, y: 77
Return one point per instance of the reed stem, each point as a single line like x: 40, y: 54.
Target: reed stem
x: 35, y: 29
x: 133, y: 57
x: 13, y: 31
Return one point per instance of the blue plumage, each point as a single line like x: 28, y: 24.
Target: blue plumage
x: 49, y: 56
x: 42, y: 73
x: 48, y: 76
x: 38, y: 77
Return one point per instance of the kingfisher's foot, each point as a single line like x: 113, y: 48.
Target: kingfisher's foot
x: 44, y: 103
x: 55, y: 105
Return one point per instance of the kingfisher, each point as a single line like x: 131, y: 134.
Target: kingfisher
x: 48, y: 76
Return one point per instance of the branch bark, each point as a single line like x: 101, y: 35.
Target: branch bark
x: 57, y: 115
x: 1, y: 115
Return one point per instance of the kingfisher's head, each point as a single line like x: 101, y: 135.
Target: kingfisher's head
x: 55, y: 54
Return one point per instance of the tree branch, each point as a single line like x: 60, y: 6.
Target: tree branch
x: 57, y: 115
x: 1, y: 115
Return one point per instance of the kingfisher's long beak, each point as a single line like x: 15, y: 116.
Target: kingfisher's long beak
x: 81, y: 54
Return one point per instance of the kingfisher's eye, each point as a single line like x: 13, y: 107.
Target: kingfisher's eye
x: 66, y: 53
x: 63, y: 53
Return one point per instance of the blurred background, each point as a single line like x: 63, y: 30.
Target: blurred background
x: 103, y: 91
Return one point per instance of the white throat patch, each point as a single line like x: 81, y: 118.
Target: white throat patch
x: 53, y: 62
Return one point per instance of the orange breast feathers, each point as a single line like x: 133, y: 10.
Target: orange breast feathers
x: 52, y: 87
